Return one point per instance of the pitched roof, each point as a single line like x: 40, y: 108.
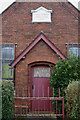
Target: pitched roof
x: 6, y: 4
x: 41, y: 36
x: 75, y: 3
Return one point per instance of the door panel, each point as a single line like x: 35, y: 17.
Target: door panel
x: 40, y: 87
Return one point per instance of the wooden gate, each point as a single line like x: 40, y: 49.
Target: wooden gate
x: 23, y: 106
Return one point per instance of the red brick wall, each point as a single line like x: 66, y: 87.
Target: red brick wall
x: 17, y: 27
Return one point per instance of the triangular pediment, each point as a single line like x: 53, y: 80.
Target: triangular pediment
x: 41, y: 8
x: 41, y: 14
x: 40, y: 37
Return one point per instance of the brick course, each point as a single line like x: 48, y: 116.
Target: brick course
x: 17, y: 27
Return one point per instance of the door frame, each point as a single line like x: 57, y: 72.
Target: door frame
x: 29, y: 72
x: 29, y: 85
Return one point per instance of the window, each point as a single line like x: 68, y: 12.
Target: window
x: 41, y: 72
x: 8, y: 53
x: 7, y: 58
x: 74, y: 50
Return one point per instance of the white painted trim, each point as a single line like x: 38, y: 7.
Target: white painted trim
x: 41, y: 21
x: 32, y: 11
x: 41, y: 15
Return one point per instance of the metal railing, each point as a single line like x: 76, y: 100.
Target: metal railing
x: 23, y: 106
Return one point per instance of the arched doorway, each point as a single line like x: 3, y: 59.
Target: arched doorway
x: 40, y: 83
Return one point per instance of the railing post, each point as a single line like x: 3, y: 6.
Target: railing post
x: 56, y: 109
x: 23, y: 92
x: 17, y: 91
x: 20, y: 111
x: 14, y: 108
x: 43, y: 90
x: 53, y: 92
x: 63, y: 107
x: 48, y: 91
x: 59, y: 92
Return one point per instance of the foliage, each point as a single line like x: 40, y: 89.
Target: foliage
x: 7, y: 72
x: 7, y: 100
x: 65, y: 72
x: 72, y: 97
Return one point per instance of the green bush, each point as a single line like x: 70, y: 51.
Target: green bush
x: 72, y: 97
x: 65, y: 72
x: 7, y: 100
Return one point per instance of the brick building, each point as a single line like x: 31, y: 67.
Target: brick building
x: 30, y: 47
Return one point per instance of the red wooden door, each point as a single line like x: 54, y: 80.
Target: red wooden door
x: 40, y: 87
